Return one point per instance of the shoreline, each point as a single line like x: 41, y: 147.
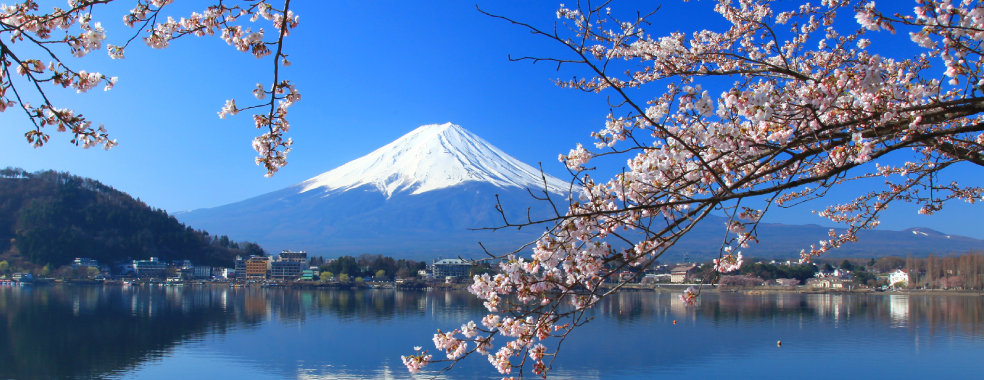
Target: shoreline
x: 658, y: 288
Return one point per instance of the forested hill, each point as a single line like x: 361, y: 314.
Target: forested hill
x: 49, y: 217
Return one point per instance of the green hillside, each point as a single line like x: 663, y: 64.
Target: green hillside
x: 49, y: 217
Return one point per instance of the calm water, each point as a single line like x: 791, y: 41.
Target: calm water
x: 201, y: 332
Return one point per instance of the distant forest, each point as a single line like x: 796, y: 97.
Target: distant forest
x: 50, y: 218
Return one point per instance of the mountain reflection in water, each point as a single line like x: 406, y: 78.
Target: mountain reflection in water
x: 60, y: 332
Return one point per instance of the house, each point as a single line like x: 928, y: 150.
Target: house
x: 899, y: 276
x: 682, y: 273
x: 843, y: 274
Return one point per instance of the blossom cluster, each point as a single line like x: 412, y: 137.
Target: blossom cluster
x: 24, y: 23
x: 416, y: 362
x: 807, y: 107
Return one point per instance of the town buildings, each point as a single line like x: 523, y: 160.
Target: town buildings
x: 288, y: 266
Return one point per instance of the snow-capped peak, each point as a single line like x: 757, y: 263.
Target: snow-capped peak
x: 433, y: 157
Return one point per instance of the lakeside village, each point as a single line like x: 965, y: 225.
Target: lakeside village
x: 291, y: 268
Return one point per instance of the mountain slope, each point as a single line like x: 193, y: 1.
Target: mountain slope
x: 418, y: 196
x: 51, y: 218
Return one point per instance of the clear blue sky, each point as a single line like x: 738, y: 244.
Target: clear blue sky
x: 368, y: 73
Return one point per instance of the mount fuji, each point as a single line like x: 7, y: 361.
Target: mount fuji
x: 420, y: 197
x: 416, y: 197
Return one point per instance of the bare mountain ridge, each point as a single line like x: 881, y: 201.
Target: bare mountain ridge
x: 419, y: 196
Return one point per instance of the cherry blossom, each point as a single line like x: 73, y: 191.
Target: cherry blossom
x: 689, y: 297
x: 25, y: 30
x: 775, y: 107
x: 416, y: 362
x: 728, y: 263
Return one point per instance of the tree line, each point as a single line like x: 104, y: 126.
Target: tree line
x: 368, y: 265
x: 947, y: 271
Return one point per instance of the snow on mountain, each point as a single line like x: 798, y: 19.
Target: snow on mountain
x: 423, y: 195
x: 420, y: 196
x: 433, y: 157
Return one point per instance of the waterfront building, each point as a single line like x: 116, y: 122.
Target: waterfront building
x: 81, y: 262
x: 239, y: 265
x: 203, y: 272
x: 22, y: 277
x: 258, y: 267
x: 227, y: 273
x: 830, y: 283
x: 281, y: 270
x: 309, y: 274
x: 445, y: 268
x: 425, y: 274
x: 172, y: 271
x: 899, y: 276
x: 149, y: 268
x: 682, y: 273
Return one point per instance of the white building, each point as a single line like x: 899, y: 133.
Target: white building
x: 897, y: 276
x: 227, y: 273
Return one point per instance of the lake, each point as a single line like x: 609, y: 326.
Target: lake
x: 201, y: 332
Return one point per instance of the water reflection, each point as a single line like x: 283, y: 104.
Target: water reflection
x: 963, y: 311
x: 114, y: 332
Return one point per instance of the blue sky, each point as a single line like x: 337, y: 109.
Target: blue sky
x: 368, y: 73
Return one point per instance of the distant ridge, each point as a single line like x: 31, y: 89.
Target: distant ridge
x: 418, y: 196
x: 786, y: 240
